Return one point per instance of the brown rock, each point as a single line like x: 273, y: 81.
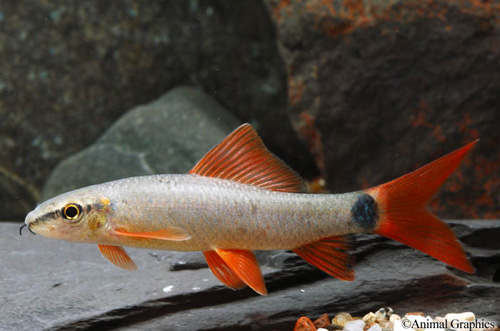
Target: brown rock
x: 304, y: 324
x: 378, y: 88
x: 418, y: 313
x: 322, y: 321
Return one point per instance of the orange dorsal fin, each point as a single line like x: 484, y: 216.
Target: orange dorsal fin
x: 403, y: 214
x: 117, y: 256
x: 173, y: 233
x: 242, y: 157
x: 222, y: 271
x: 244, y: 265
x: 329, y: 254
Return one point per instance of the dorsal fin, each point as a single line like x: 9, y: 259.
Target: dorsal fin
x: 242, y: 157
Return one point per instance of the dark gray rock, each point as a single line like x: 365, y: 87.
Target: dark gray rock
x: 168, y: 135
x: 17, y: 197
x: 57, y: 285
x: 378, y: 88
x: 68, y: 70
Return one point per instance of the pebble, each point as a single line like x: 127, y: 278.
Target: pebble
x: 383, y: 314
x: 322, y: 329
x: 322, y: 321
x: 395, y: 317
x: 369, y: 318
x: 386, y: 325
x: 375, y: 327
x: 168, y: 288
x: 356, y: 325
x: 416, y: 313
x: 341, y: 319
x: 304, y: 324
x: 467, y: 316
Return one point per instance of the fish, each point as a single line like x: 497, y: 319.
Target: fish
x: 240, y: 198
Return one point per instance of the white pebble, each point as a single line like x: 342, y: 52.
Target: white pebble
x: 467, y: 316
x: 395, y: 317
x: 375, y: 327
x: 168, y: 288
x: 321, y: 329
x: 356, y: 325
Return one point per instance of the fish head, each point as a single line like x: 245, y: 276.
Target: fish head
x: 77, y: 216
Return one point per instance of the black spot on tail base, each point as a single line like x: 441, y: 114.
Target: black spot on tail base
x: 365, y: 212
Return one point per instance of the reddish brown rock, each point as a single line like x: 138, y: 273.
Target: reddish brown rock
x: 322, y: 321
x: 378, y: 88
x: 304, y: 324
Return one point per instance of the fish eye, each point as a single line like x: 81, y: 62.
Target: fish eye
x: 72, y: 211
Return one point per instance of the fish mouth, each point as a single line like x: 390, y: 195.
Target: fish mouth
x: 28, y: 222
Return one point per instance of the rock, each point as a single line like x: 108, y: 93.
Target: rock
x: 369, y: 318
x: 394, y: 317
x: 341, y: 319
x: 168, y: 135
x: 378, y: 88
x: 69, y: 286
x: 383, y: 314
x: 356, y: 325
x: 304, y: 324
x: 17, y: 197
x: 73, y: 68
x: 415, y: 313
x: 375, y: 327
x: 322, y: 321
x: 188, y: 261
x: 468, y: 316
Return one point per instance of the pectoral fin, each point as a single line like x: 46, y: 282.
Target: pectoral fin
x: 245, y: 266
x: 173, y: 233
x: 117, y: 256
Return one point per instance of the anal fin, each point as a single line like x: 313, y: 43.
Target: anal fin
x: 222, y: 271
x: 329, y: 255
x: 117, y: 256
x: 244, y: 265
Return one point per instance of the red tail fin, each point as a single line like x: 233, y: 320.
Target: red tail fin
x: 404, y: 217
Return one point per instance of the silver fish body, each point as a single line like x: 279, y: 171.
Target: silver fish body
x: 215, y: 212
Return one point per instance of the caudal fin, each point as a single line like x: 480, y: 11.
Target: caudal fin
x: 405, y: 218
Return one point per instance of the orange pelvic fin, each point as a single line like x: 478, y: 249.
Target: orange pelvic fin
x: 117, y: 256
x: 329, y: 254
x: 242, y: 157
x: 173, y: 233
x: 245, y: 266
x: 222, y: 271
x: 403, y: 215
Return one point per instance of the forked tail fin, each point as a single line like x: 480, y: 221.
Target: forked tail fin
x: 405, y: 218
